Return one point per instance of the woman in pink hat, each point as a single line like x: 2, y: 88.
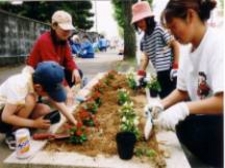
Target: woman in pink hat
x: 158, y: 46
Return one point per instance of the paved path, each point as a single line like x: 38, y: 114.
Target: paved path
x: 90, y: 67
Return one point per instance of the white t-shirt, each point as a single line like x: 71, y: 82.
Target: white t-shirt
x: 15, y: 88
x: 201, y: 72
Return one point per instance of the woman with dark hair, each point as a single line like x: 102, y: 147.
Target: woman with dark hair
x: 199, y: 121
x: 158, y: 46
x: 54, y: 46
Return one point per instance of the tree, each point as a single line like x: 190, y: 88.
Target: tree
x: 122, y: 14
x: 222, y: 5
x: 43, y: 10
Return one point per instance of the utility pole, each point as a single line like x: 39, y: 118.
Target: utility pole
x: 96, y: 17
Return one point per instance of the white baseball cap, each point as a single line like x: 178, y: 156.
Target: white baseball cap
x: 63, y: 19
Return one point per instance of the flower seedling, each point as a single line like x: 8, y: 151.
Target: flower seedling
x: 96, y: 96
x: 91, y: 106
x: 131, y: 80
x: 87, y: 118
x: 99, y: 87
x: 77, y: 133
x: 144, y: 151
x: 123, y: 96
x: 109, y: 77
x: 154, y: 84
x: 111, y: 74
x: 129, y: 119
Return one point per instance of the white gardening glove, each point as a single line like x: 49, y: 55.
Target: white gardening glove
x: 140, y: 78
x: 173, y: 74
x: 169, y: 118
x: 153, y: 108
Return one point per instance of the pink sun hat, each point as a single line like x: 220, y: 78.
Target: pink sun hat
x: 141, y: 10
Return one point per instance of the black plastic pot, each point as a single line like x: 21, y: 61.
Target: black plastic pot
x: 153, y: 93
x: 125, y: 144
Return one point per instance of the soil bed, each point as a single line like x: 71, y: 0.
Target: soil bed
x: 101, y: 138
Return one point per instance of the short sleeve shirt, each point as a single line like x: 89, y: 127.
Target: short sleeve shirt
x: 15, y: 89
x: 156, y: 47
x: 201, y: 72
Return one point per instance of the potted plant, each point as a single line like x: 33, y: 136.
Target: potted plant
x: 154, y: 86
x: 129, y: 132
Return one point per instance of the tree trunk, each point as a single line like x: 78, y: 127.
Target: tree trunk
x: 129, y: 33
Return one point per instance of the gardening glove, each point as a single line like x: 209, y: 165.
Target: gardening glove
x: 140, y: 80
x: 153, y: 108
x: 169, y: 118
x: 173, y: 72
x: 151, y: 111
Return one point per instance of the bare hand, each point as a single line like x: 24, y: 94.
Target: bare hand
x: 70, y: 98
x: 42, y: 123
x: 76, y: 76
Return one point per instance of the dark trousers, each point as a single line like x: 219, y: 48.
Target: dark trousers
x: 68, y: 76
x: 167, y: 86
x: 203, y: 137
x: 4, y: 127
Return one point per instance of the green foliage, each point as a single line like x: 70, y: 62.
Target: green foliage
x: 129, y: 119
x: 43, y: 10
x: 123, y: 96
x: 144, y: 151
x: 77, y: 134
x: 122, y: 14
x: 154, y: 84
x: 91, y: 106
x: 131, y: 80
